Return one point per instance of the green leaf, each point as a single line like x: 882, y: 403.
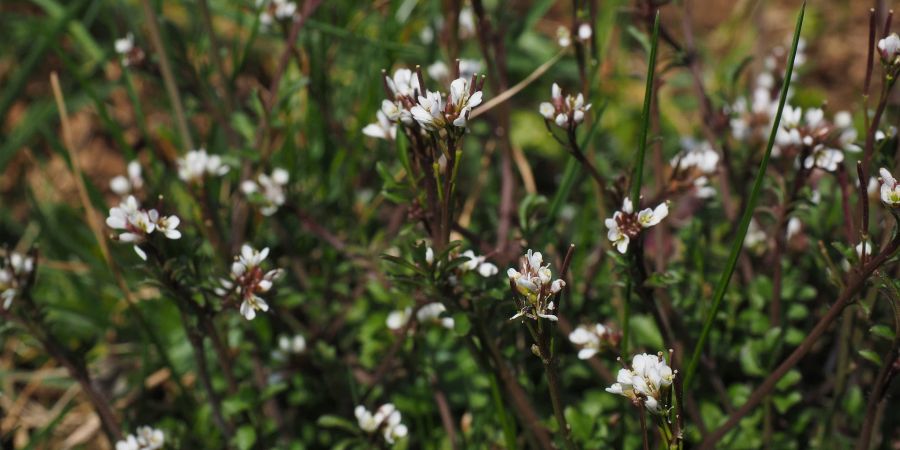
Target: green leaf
x: 337, y: 422
x: 882, y: 331
x: 645, y: 120
x: 744, y: 224
x: 461, y: 324
x: 871, y: 356
x: 245, y: 437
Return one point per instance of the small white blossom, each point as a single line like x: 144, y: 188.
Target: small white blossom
x: 889, y: 48
x: 382, y: 129
x: 696, y: 154
x: 137, y: 224
x: 431, y: 313
x: 386, y: 419
x: 565, y: 112
x: 824, y: 158
x: 563, y: 37
x: 15, y: 271
x: 584, y: 32
x: 645, y: 382
x: 146, y: 438
x: 123, y: 185
x: 124, y: 45
x: 479, y: 264
x: 793, y: 227
x: 590, y: 339
x: 890, y: 189
x: 271, y: 189
x: 247, y: 279
x: 404, y: 83
x: 398, y: 319
x: 625, y: 225
x: 275, y: 9
x: 197, y: 164
x: 534, y: 284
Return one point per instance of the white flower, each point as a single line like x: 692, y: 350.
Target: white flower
x: 387, y: 419
x: 382, y: 129
x: 429, y: 255
x: 466, y: 22
x: 404, y: 83
x: 824, y: 158
x: 292, y: 345
x: 756, y: 237
x: 867, y: 246
x: 533, y: 282
x: 793, y: 227
x: 890, y: 189
x: 15, y: 271
x: 589, y: 338
x: 138, y: 224
x: 196, y: 164
x: 699, y: 155
x: 124, y: 45
x: 123, y: 185
x: 889, y: 48
x: 646, y: 381
x: 167, y: 225
x: 271, y: 188
x: 625, y: 225
x: 146, y: 438
x: 584, y: 32
x: 479, y: 264
x: 398, y: 319
x: 564, y: 112
x: 463, y: 98
x: 431, y: 313
x: 248, y: 279
x: 563, y: 37
x: 429, y: 111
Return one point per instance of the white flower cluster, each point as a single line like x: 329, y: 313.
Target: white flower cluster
x: 700, y: 160
x: 478, y: 263
x: 625, y: 225
x: 466, y: 26
x: 146, y: 438
x: 138, y: 224
x: 427, y: 314
x: 754, y: 121
x: 566, y: 112
x: 590, y: 339
x: 890, y: 189
x: 271, y: 190
x: 811, y: 134
x: 431, y: 110
x: 386, y: 419
x: 197, y: 164
x: 14, y: 273
x: 534, y: 283
x: 275, y: 10
x: 126, y: 50
x: 645, y: 382
x: 289, y: 345
x: 127, y: 184
x: 248, y: 280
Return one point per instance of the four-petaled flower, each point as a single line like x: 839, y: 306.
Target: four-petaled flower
x: 248, y: 280
x: 138, y: 224
x: 889, y: 47
x: 890, y: 189
x: 625, y: 225
x: 566, y: 112
x: 534, y: 287
x: 645, y: 382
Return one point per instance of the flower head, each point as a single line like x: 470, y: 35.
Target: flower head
x: 534, y: 287
x: 270, y: 189
x: 566, y: 112
x: 890, y: 189
x: 249, y: 280
x: 197, y: 164
x: 592, y: 338
x: 646, y: 382
x: 889, y: 47
x: 386, y: 419
x: 123, y: 185
x: 138, y: 224
x: 15, y: 272
x: 479, y: 264
x: 146, y: 438
x: 625, y: 225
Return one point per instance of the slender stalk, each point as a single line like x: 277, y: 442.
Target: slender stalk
x: 645, y: 119
x: 165, y: 68
x: 744, y: 224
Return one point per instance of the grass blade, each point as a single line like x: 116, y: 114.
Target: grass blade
x: 645, y: 119
x: 744, y: 224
